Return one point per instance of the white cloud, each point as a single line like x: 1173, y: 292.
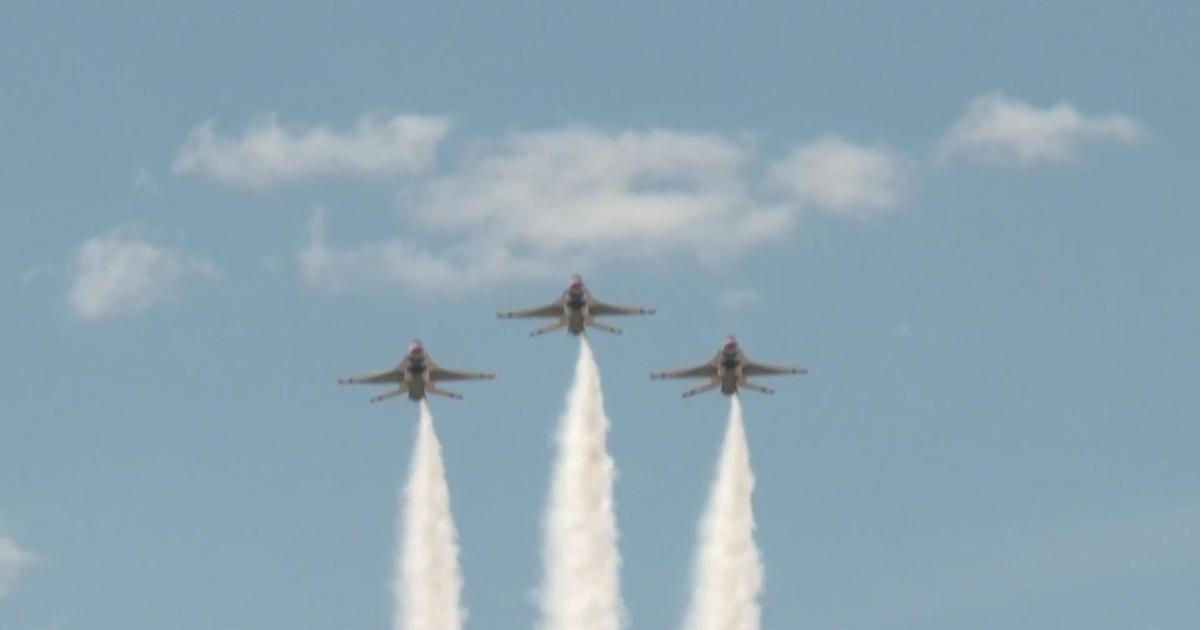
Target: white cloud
x: 1053, y: 556
x: 267, y: 154
x: 738, y: 299
x: 535, y: 202
x: 541, y: 202
x: 13, y: 562
x: 399, y: 262
x: 118, y: 273
x: 143, y: 181
x: 835, y: 176
x: 586, y: 191
x: 35, y: 274
x: 1001, y: 130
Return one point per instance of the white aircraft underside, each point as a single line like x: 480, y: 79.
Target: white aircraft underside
x: 415, y: 376
x: 729, y: 370
x: 575, y: 310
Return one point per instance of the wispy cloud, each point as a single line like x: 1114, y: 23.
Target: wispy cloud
x: 1100, y: 548
x: 408, y: 264
x: 143, y: 181
x: 998, y: 129
x: 534, y: 202
x: 736, y: 299
x: 576, y: 197
x: 35, y: 274
x: 268, y: 154
x: 587, y: 191
x: 1060, y: 556
x: 13, y: 562
x: 119, y: 273
x: 835, y: 176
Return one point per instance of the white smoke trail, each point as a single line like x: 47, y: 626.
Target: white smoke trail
x: 581, y: 587
x: 728, y: 574
x: 427, y: 581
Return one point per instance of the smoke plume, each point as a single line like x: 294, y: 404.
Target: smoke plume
x: 427, y: 581
x: 581, y: 587
x: 728, y: 573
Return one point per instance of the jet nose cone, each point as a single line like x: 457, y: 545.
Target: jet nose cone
x: 731, y: 343
x: 576, y: 282
x: 415, y: 347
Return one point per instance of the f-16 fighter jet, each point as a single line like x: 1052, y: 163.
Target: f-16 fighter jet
x: 575, y: 310
x: 729, y: 370
x: 416, y: 376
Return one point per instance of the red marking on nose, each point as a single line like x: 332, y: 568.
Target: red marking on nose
x: 576, y: 282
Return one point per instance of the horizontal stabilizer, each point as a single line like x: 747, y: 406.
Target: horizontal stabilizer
x: 604, y: 327
x: 548, y: 329
x: 757, y: 388
x: 700, y: 390
x: 399, y: 391
x: 431, y: 389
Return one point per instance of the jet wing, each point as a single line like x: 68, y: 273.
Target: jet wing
x: 762, y: 369
x: 705, y: 370
x: 391, y: 376
x: 601, y: 308
x: 439, y: 373
x: 442, y: 374
x: 554, y: 309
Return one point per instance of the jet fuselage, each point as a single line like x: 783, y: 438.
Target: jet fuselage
x: 577, y: 311
x: 729, y: 371
x: 414, y: 377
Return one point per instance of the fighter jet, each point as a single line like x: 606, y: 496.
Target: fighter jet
x: 416, y: 376
x: 729, y: 370
x: 575, y: 310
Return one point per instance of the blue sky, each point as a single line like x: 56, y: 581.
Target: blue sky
x: 975, y: 225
